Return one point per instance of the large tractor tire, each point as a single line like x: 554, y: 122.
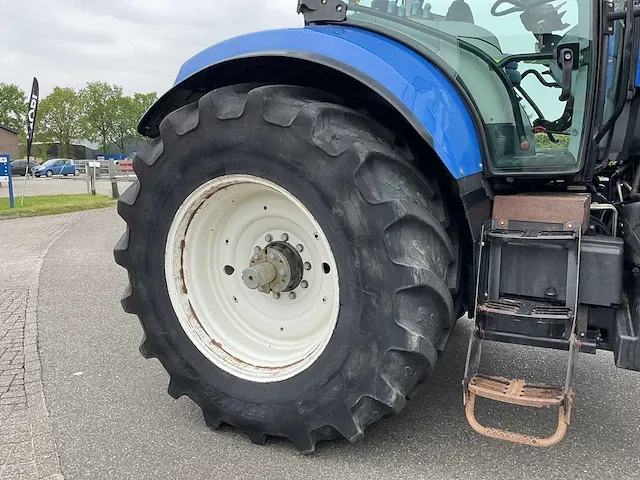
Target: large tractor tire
x: 292, y: 271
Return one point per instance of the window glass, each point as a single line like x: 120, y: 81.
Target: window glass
x: 505, y: 56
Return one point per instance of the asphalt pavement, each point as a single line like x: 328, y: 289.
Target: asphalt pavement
x: 113, y: 418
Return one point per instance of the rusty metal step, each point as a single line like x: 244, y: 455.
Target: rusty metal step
x: 522, y: 308
x: 518, y: 392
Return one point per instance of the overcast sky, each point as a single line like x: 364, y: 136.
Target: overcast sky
x: 138, y: 44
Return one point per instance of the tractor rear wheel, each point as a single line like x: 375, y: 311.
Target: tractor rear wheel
x: 291, y: 270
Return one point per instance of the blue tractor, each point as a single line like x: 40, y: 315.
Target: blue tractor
x: 319, y: 206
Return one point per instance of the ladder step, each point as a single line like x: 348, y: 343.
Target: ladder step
x: 564, y: 418
x: 526, y: 308
x: 516, y: 391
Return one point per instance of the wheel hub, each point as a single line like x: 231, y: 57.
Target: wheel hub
x: 276, y: 268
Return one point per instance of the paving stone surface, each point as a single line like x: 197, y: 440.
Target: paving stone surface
x: 27, y: 445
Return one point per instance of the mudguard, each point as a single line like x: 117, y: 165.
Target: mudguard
x: 412, y: 84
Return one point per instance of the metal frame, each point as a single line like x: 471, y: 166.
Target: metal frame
x: 515, y: 391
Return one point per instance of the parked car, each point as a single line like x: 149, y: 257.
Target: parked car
x: 19, y: 167
x: 56, y: 166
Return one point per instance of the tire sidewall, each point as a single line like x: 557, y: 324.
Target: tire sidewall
x: 364, y: 305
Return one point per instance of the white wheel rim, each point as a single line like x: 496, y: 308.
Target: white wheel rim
x: 249, y: 334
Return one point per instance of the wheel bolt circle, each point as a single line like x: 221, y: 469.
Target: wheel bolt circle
x: 268, y: 238
x: 284, y: 237
x: 292, y: 295
x: 299, y: 247
x: 304, y: 284
x: 307, y: 266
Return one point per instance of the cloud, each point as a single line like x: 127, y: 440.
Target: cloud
x: 138, y: 44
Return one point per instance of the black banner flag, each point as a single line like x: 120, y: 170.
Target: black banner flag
x: 31, y: 125
x: 31, y: 118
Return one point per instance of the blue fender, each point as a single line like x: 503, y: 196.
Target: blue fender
x: 407, y: 78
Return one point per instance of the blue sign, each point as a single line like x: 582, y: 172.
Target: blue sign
x: 5, y: 174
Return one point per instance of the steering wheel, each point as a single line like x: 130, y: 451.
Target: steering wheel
x: 516, y: 6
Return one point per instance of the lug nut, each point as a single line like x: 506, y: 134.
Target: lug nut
x: 304, y: 284
x: 277, y: 289
x: 299, y: 247
x: 268, y: 238
x: 276, y: 295
x: 282, y: 272
x: 256, y: 256
x: 284, y: 237
x: 307, y: 266
x: 256, y: 249
x: 272, y: 256
x: 292, y: 295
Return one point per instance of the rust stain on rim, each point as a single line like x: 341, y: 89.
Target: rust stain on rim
x: 183, y: 282
x: 194, y: 318
x: 183, y: 247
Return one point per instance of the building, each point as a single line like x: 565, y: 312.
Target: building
x: 79, y: 150
x: 9, y: 141
x: 114, y: 152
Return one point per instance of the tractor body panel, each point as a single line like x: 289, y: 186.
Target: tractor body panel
x: 412, y: 84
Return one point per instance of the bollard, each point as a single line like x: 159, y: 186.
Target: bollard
x: 114, y: 188
x: 114, y: 181
x: 91, y: 172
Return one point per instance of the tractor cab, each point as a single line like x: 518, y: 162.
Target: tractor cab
x: 527, y: 66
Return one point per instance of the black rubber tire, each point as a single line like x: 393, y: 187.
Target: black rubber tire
x: 387, y: 226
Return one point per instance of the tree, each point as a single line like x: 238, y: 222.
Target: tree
x: 141, y: 103
x: 13, y: 107
x: 100, y: 103
x: 124, y: 127
x: 60, y: 118
x: 128, y: 112
x: 542, y: 141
